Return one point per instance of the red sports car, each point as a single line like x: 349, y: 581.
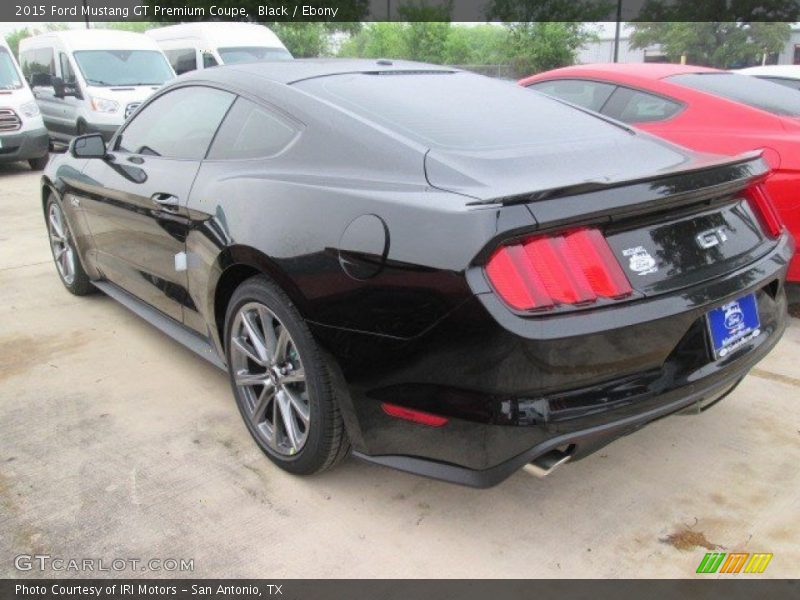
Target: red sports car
x: 704, y: 109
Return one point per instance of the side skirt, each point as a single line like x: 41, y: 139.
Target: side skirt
x: 178, y: 332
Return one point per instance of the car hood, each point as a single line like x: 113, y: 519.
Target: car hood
x: 502, y: 174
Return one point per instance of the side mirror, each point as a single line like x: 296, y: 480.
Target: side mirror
x: 88, y: 146
x: 59, y: 87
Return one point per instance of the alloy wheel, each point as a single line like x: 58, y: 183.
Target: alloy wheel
x: 270, y: 379
x: 60, y: 243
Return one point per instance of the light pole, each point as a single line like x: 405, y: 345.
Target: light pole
x: 617, y: 31
x: 86, y: 12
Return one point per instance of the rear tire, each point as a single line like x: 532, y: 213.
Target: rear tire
x: 38, y: 164
x: 65, y: 254
x: 282, y: 381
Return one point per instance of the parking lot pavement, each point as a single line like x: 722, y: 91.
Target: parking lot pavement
x: 116, y: 442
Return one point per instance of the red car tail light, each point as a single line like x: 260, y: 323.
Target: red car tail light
x: 763, y: 207
x: 415, y: 416
x: 575, y: 267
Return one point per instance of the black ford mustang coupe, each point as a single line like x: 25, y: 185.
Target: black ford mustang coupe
x: 441, y: 272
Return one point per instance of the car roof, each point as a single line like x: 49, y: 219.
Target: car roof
x: 94, y: 39
x: 292, y: 71
x: 648, y: 71
x: 218, y: 33
x: 788, y: 71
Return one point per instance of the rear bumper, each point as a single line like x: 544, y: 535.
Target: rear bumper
x: 24, y: 145
x: 515, y: 388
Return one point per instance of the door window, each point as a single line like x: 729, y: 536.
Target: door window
x: 38, y: 66
x: 179, y: 124
x: 251, y: 131
x: 635, y: 106
x: 67, y: 74
x: 588, y: 94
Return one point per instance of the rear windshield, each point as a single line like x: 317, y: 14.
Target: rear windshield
x: 252, y: 54
x: 459, y: 110
x: 9, y: 76
x: 752, y: 91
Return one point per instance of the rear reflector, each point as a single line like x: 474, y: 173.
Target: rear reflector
x: 415, y: 416
x: 762, y: 205
x: 575, y: 267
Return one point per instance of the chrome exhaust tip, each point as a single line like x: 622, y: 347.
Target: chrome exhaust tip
x: 546, y: 463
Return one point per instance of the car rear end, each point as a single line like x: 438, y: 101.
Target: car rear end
x: 624, y: 279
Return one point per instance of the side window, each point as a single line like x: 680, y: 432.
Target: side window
x: 634, y: 106
x: 209, y: 60
x: 182, y: 60
x: 179, y: 124
x: 588, y: 94
x: 67, y: 74
x: 251, y: 131
x: 38, y: 66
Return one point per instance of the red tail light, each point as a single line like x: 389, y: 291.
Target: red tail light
x: 765, y: 209
x: 415, y: 416
x: 574, y: 267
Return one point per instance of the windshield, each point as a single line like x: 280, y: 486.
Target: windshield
x: 9, y: 76
x: 252, y: 54
x: 459, y: 110
x: 123, y: 67
x: 752, y: 91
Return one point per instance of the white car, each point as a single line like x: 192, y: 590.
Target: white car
x: 91, y: 80
x: 22, y: 132
x: 191, y: 46
x: 788, y: 75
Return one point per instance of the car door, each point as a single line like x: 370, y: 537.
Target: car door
x: 135, y: 200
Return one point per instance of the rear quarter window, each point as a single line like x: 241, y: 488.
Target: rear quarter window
x: 751, y: 91
x: 635, y: 106
x: 251, y: 131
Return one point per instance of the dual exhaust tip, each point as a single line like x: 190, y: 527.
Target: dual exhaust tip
x: 545, y: 464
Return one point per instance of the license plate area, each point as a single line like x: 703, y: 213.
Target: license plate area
x: 733, y: 324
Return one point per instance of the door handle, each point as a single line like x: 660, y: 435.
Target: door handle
x: 166, y: 201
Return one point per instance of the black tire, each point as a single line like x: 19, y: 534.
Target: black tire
x: 79, y: 283
x: 38, y: 164
x: 326, y: 442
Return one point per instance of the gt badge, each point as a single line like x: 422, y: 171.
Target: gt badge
x: 640, y: 260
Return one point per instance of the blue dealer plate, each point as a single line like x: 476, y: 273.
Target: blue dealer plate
x: 733, y: 324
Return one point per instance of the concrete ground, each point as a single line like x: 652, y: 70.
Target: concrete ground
x: 116, y: 442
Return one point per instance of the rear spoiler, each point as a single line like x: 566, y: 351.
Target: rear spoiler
x: 713, y: 174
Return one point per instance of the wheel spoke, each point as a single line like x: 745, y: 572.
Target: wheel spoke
x: 255, y: 336
x: 297, y: 375
x: 55, y: 222
x: 269, y: 332
x: 288, y: 419
x: 282, y: 346
x: 260, y: 410
x: 243, y: 378
x: 298, y: 405
x: 240, y: 346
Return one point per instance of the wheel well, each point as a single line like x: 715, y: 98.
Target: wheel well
x: 231, y: 278
x: 45, y: 195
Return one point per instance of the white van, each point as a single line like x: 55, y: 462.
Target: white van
x: 22, y: 132
x: 91, y: 80
x: 193, y: 46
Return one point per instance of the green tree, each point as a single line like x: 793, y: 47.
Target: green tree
x: 476, y: 45
x: 13, y: 39
x: 541, y: 46
x: 376, y: 40
x: 303, y: 39
x: 712, y: 44
x: 134, y: 26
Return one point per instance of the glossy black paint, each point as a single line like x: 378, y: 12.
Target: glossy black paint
x: 386, y: 267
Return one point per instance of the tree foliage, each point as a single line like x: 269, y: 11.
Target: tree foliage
x: 712, y: 44
x: 13, y: 39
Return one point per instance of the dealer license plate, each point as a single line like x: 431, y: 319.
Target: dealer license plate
x: 733, y: 325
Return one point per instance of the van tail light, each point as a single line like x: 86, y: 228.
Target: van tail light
x: 574, y: 267
x: 762, y: 205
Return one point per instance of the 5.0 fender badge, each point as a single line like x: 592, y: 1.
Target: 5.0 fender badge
x: 640, y: 260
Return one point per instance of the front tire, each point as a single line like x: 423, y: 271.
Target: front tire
x: 68, y: 264
x: 281, y: 380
